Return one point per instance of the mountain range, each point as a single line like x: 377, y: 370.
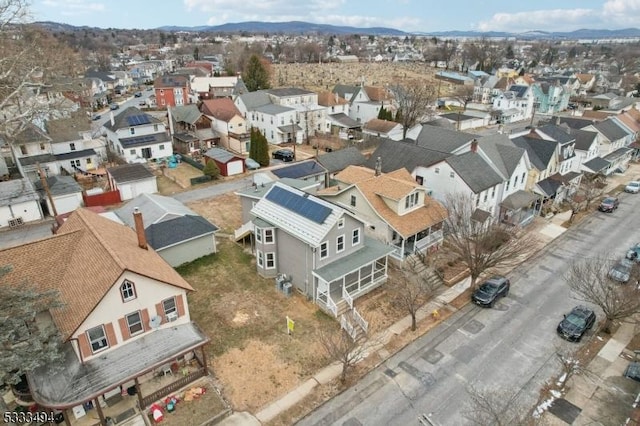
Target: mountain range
x: 299, y: 27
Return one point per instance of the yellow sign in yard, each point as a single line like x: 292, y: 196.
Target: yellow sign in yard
x: 290, y: 325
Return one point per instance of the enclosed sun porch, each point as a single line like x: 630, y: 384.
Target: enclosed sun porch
x: 421, y: 242
x: 340, y: 283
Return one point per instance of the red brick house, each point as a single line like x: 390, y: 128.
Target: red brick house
x: 172, y: 90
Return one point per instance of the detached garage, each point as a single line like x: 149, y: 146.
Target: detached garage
x: 228, y: 163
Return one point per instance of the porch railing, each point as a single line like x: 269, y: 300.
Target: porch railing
x: 397, y: 252
x: 331, y: 305
x: 364, y: 324
x: 346, y: 296
x: 171, y: 388
x: 429, y: 240
x: 243, y: 230
x: 348, y: 327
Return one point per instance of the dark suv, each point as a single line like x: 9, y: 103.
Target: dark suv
x: 490, y: 290
x: 609, y: 204
x: 576, y: 323
x: 285, y: 155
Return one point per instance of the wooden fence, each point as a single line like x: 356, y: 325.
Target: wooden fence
x: 104, y: 199
x: 171, y: 388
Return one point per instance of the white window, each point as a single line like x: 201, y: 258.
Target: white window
x: 97, y: 339
x: 134, y: 323
x: 128, y: 291
x: 268, y: 236
x: 169, y: 306
x: 340, y: 243
x: 341, y: 223
x: 355, y: 237
x: 271, y: 260
x: 259, y: 235
x: 411, y: 200
x: 260, y: 258
x: 324, y: 250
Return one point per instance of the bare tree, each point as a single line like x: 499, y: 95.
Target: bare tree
x: 30, y: 61
x: 446, y: 51
x: 483, y: 246
x: 414, y: 101
x: 494, y: 407
x: 591, y: 187
x: 415, y: 283
x: 342, y: 347
x: 589, y: 281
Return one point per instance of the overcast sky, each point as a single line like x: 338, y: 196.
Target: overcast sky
x: 406, y: 15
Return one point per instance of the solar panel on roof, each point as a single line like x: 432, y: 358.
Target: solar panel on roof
x: 136, y: 120
x: 299, y: 204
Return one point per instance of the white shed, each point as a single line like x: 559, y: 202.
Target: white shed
x: 19, y: 203
x: 65, y: 191
x: 132, y: 180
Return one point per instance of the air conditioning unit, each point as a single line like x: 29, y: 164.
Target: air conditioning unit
x: 15, y: 222
x: 172, y: 316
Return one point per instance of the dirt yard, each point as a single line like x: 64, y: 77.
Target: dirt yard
x: 224, y: 211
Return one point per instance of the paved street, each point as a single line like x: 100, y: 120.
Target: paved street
x: 511, y: 347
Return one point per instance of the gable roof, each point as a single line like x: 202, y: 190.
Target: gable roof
x: 405, y: 153
x: 289, y: 91
x: 185, y: 113
x: 293, y: 223
x: 17, y: 191
x: 120, y: 121
x: 59, y: 185
x: 328, y: 99
x: 299, y: 170
x: 559, y: 134
x: 339, y: 160
x: 442, y: 139
x: 584, y: 138
x: 395, y: 186
x: 381, y: 126
x: 474, y: 171
x: 168, y: 233
x: 155, y: 208
x: 83, y: 261
x: 611, y: 130
x: 540, y: 151
x: 252, y: 100
x: 378, y: 94
x: 69, y: 128
x: 344, y: 89
x: 573, y: 122
x: 221, y: 108
x: 130, y: 173
x: 503, y: 153
x: 628, y: 121
x: 221, y: 155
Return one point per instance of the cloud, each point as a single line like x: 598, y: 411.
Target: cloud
x: 74, y: 7
x: 613, y: 14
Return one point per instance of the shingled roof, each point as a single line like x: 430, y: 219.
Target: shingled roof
x: 83, y: 261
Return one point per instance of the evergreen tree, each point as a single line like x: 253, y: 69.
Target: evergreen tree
x: 398, y: 118
x: 211, y: 169
x: 256, y: 75
x: 262, y: 149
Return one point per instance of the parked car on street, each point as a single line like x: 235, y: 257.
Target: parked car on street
x: 576, y: 323
x: 114, y: 107
x: 137, y: 94
x: 609, y: 204
x: 633, y: 253
x: 96, y: 117
x: 283, y: 154
x: 251, y: 164
x: 490, y: 290
x: 633, y: 371
x: 621, y: 271
x: 632, y: 187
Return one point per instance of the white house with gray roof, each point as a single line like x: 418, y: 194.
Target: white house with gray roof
x: 19, y: 203
x: 177, y: 233
x: 515, y: 104
x: 319, y: 247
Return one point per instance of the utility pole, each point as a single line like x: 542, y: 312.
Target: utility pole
x: 293, y: 137
x: 45, y: 186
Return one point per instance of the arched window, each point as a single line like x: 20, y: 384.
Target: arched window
x: 127, y: 291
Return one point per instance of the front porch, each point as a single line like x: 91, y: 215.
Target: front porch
x: 338, y: 284
x: 417, y: 243
x: 520, y: 208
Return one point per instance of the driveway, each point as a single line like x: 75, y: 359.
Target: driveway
x: 511, y: 347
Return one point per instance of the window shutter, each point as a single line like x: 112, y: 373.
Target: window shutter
x: 160, y: 312
x: 124, y: 329
x: 111, y: 335
x: 180, y: 305
x: 85, y: 348
x: 145, y: 319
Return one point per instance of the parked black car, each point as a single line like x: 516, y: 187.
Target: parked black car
x: 633, y: 371
x: 490, y: 290
x: 576, y: 323
x: 285, y: 155
x: 609, y: 204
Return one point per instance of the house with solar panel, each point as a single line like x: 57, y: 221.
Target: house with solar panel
x: 138, y: 137
x: 318, y: 247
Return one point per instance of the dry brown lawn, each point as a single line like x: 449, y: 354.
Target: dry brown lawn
x: 224, y: 210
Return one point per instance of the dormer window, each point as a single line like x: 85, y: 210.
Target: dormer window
x: 411, y: 200
x: 127, y: 291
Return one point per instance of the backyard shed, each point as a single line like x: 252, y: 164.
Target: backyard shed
x: 228, y: 163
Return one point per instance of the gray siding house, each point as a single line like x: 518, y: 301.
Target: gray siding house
x: 175, y: 232
x: 318, y: 246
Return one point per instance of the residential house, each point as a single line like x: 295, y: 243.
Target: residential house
x: 19, y: 203
x: 587, y: 83
x: 228, y: 163
x: 278, y: 123
x: 614, y: 143
x: 586, y: 147
x: 319, y: 247
x: 338, y: 120
x: 307, y: 170
x: 171, y: 90
x: 124, y: 314
x: 229, y: 123
x: 65, y: 193
x: 383, y: 128
x: 137, y: 136
x: 487, y: 88
x: 191, y: 130
x: 31, y: 149
x: 515, y: 104
x: 177, y: 233
x: 214, y: 87
x: 132, y: 180
x: 394, y: 208
x: 461, y: 120
x: 550, y: 98
x: 75, y: 146
x: 362, y: 107
x: 336, y: 161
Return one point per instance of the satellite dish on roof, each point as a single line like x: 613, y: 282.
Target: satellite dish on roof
x: 155, y: 321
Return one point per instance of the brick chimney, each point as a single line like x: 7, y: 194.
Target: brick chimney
x: 378, y: 166
x: 142, y: 239
x: 474, y: 145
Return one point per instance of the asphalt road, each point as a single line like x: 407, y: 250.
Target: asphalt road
x: 511, y: 347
